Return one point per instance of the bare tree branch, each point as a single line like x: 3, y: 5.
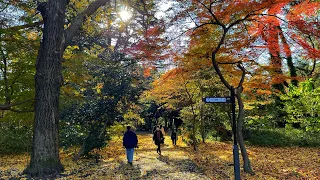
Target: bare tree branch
x: 314, y: 60
x: 8, y: 106
x: 21, y: 111
x: 236, y: 62
x: 25, y: 26
x: 210, y: 11
x: 77, y: 22
x: 130, y: 3
x: 273, y: 15
x: 242, y: 76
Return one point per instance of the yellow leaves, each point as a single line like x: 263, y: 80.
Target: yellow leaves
x: 32, y: 35
x: 32, y: 11
x: 89, y: 27
x: 68, y: 53
x: 133, y: 117
x: 79, y: 5
x: 268, y: 163
x: 94, y: 51
x: 111, y: 47
x: 98, y: 87
x: 12, y: 165
x: 173, y: 81
x: 214, y: 158
x: 122, y: 26
x: 70, y: 91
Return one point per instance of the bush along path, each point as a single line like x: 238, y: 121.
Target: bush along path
x: 173, y: 163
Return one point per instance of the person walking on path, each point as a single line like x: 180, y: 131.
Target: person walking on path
x: 174, y: 137
x: 158, y: 139
x: 154, y: 129
x: 162, y: 130
x: 130, y: 141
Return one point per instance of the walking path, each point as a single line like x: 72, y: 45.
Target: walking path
x: 172, y: 164
x: 147, y: 164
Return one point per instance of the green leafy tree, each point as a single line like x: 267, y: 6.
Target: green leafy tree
x: 106, y: 98
x: 18, y: 49
x: 302, y: 105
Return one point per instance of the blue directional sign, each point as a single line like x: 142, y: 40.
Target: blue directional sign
x: 217, y: 100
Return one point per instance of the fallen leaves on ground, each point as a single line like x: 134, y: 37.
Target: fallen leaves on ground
x: 172, y: 164
x: 213, y: 160
x: 216, y: 159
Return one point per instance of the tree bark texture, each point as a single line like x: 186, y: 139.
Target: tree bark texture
x: 45, y: 148
x: 292, y: 68
x: 246, y: 161
x: 48, y: 79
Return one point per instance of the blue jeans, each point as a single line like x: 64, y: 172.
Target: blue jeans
x: 129, y: 152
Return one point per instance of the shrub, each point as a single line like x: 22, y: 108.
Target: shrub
x: 15, y: 139
x: 302, y: 106
x: 117, y: 129
x: 282, y: 137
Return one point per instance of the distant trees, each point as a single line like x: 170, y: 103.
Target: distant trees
x: 18, y: 49
x: 185, y: 86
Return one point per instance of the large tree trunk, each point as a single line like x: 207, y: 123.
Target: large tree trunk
x: 246, y: 161
x: 48, y: 79
x: 45, y: 152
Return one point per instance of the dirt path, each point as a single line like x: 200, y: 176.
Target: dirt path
x: 172, y: 164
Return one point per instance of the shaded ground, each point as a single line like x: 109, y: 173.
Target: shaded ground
x: 216, y: 159
x: 172, y: 164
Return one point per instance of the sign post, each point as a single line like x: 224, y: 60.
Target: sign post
x: 236, y: 163
x: 231, y: 99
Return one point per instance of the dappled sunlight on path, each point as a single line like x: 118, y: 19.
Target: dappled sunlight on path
x: 147, y: 164
x: 172, y: 164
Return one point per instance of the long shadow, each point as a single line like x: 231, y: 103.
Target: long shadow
x: 128, y: 171
x: 190, y: 166
x: 162, y: 149
x: 186, y: 165
x: 182, y: 165
x: 152, y: 174
x: 177, y: 169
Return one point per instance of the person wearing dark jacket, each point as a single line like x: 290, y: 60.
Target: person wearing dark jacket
x: 174, y: 137
x: 130, y: 141
x: 158, y: 139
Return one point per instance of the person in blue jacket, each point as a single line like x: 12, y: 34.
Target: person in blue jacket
x: 130, y: 141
